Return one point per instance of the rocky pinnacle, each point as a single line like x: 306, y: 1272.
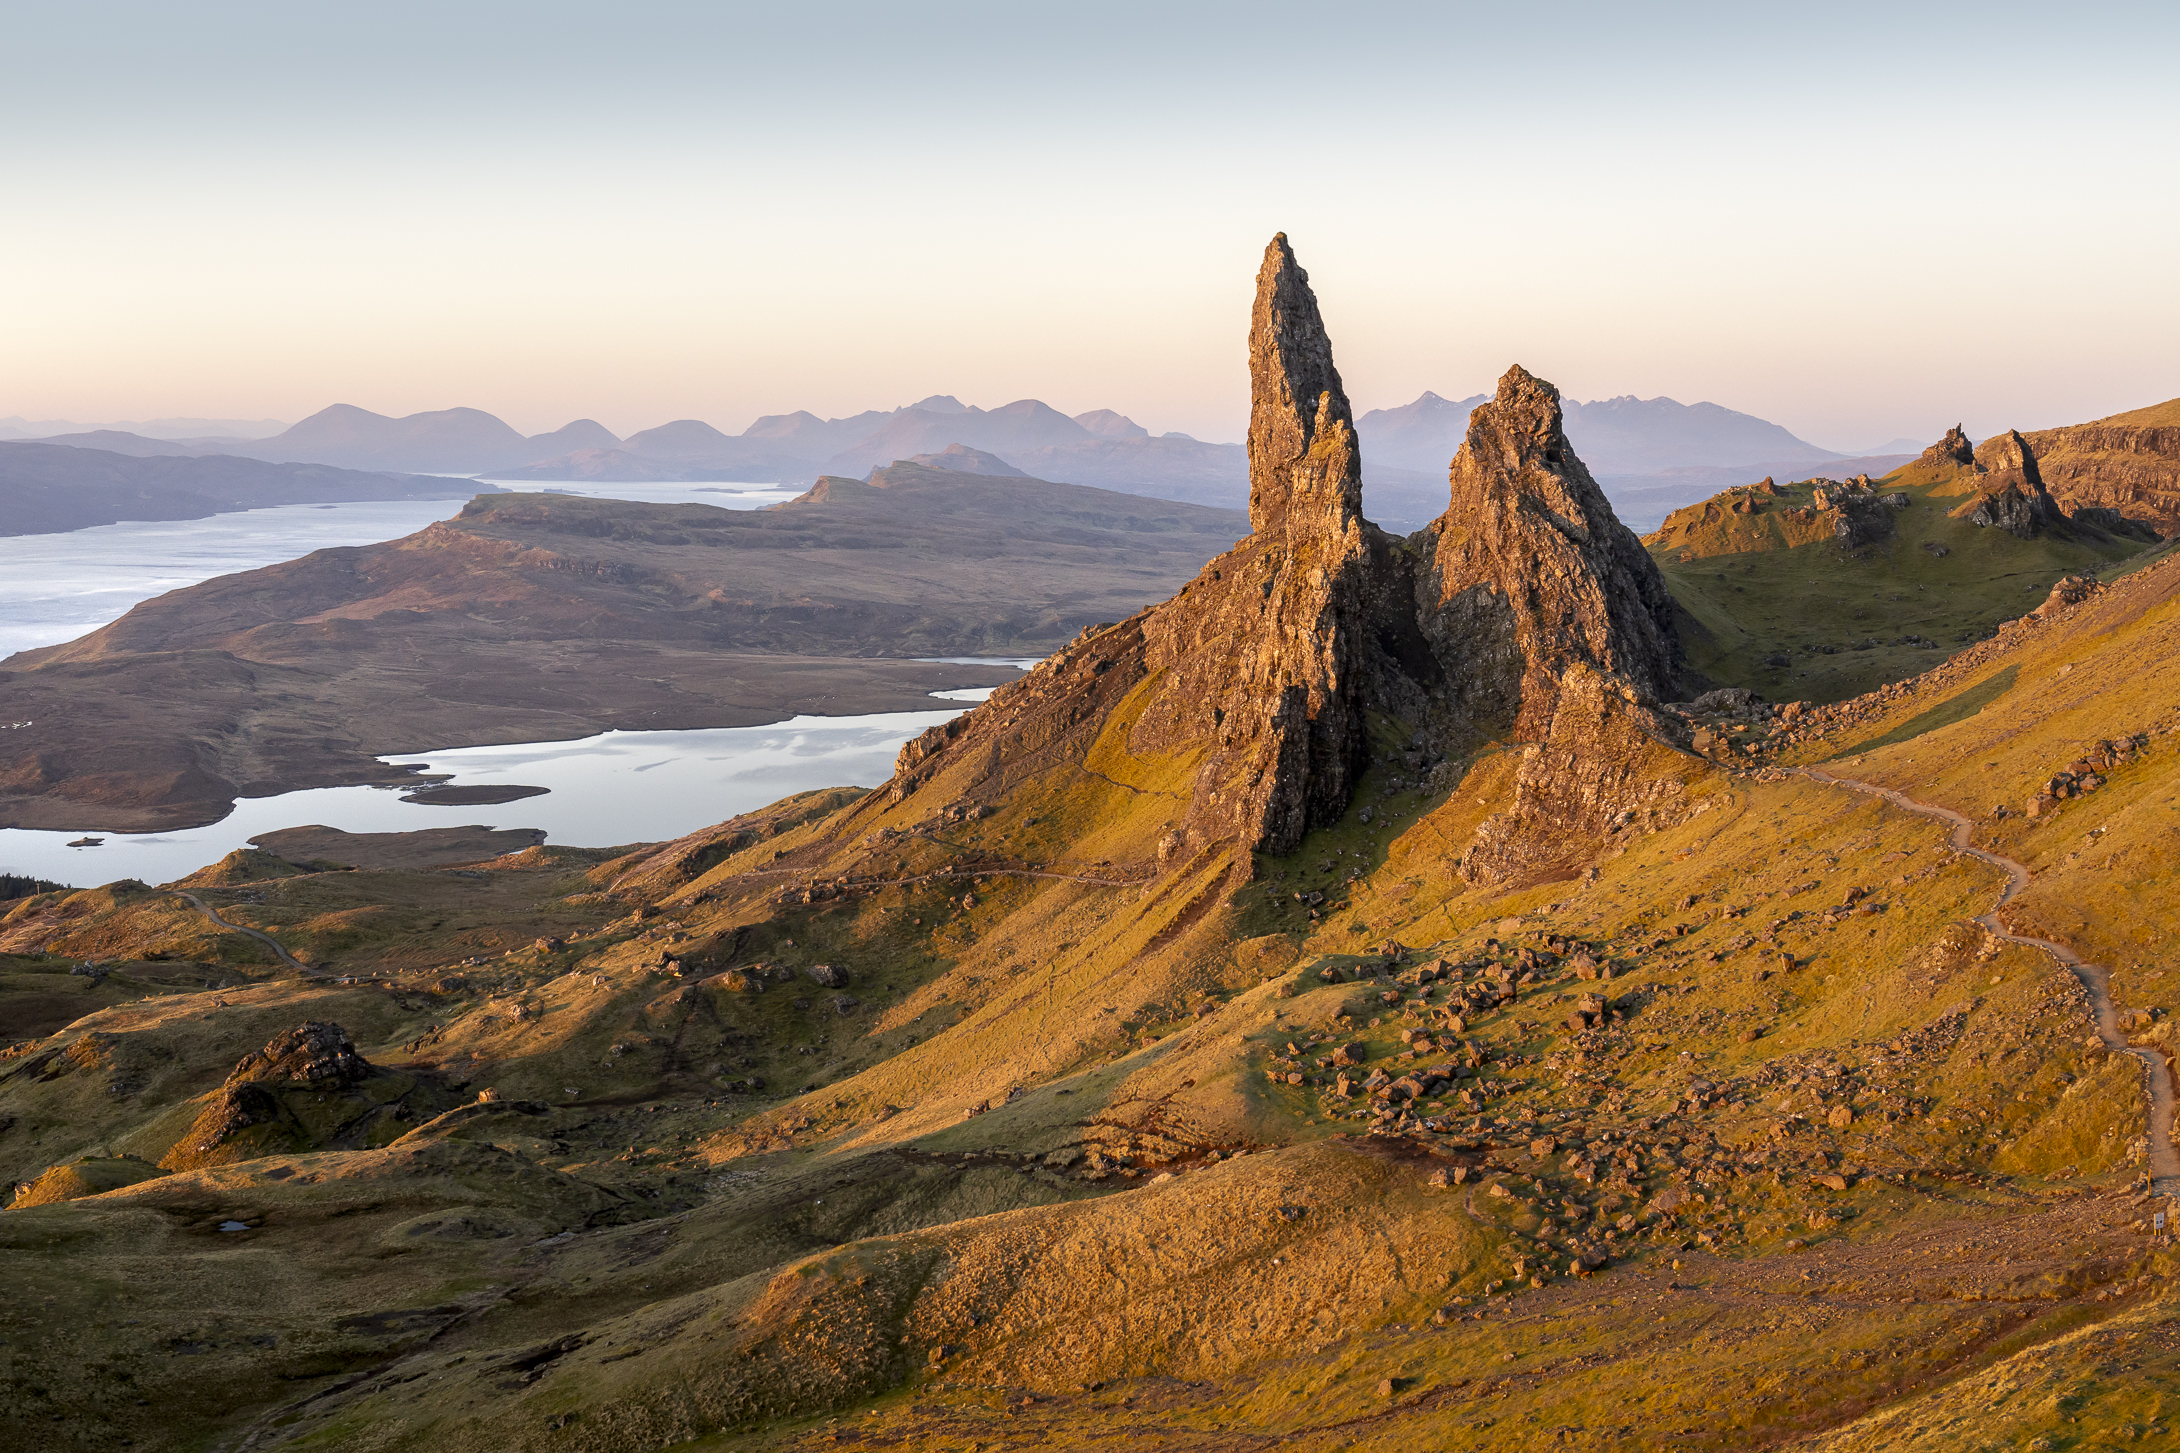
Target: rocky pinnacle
x: 1953, y: 451
x: 1533, y: 575
x: 1301, y: 432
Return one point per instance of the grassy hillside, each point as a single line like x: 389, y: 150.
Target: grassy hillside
x: 1064, y: 1160
x: 2164, y: 415
x: 1775, y: 603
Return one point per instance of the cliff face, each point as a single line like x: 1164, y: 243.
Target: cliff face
x: 2133, y: 471
x: 1526, y: 612
x: 2013, y: 496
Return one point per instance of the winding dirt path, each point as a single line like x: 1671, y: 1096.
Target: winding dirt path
x: 2157, y: 1080
x: 264, y: 938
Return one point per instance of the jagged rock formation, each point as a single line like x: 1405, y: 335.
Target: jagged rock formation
x: 1294, y: 399
x: 2119, y: 478
x: 2012, y: 496
x: 1532, y: 577
x: 1267, y: 655
x: 1952, y: 452
x: 1860, y: 516
x: 316, y: 1054
x: 1549, y: 622
x: 306, y: 1089
x: 1527, y: 610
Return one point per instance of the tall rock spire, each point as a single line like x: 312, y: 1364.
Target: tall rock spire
x: 1533, y: 574
x: 1302, y: 454
x: 1553, y: 627
x: 1239, y: 716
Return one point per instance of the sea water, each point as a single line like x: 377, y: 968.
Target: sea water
x: 602, y: 791
x: 54, y: 588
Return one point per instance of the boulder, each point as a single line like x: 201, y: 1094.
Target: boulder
x: 829, y: 976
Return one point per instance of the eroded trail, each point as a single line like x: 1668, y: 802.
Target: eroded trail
x: 2157, y: 1080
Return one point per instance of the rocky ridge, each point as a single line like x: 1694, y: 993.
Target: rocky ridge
x: 2108, y: 475
x: 1524, y: 615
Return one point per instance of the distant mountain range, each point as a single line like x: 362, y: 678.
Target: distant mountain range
x: 15, y: 426
x: 1650, y: 455
x: 1654, y: 453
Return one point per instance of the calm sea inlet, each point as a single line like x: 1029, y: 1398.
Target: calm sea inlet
x: 617, y: 787
x: 54, y: 588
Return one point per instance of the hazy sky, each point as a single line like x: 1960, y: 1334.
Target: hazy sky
x: 1860, y: 221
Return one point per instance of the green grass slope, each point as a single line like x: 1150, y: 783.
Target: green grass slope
x: 1773, y: 602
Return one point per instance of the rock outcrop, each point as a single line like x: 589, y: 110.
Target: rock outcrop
x: 1551, y: 625
x: 2012, y: 495
x: 2122, y: 479
x: 1267, y: 656
x: 307, y: 1089
x: 1952, y: 452
x: 1527, y: 612
x: 313, y: 1054
x: 1532, y: 578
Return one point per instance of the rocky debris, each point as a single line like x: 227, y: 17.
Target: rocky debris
x: 2085, y: 774
x: 829, y: 976
x: 1589, y: 1012
x: 314, y: 1053
x: 2072, y: 590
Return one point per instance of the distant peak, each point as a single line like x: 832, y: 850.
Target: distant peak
x: 941, y: 404
x: 1107, y: 424
x: 962, y: 459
